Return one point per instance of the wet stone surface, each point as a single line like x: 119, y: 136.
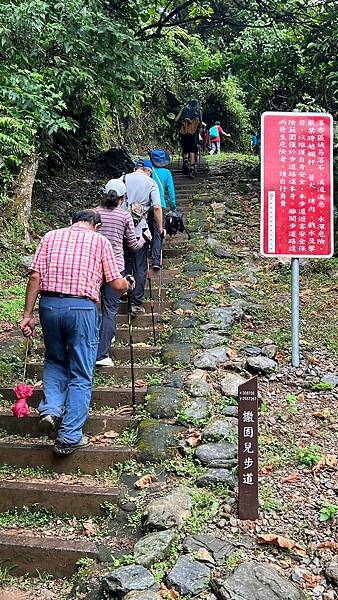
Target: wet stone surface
x: 188, y: 576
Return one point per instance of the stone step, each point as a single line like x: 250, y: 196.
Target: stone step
x: 165, y: 304
x: 40, y: 454
x: 36, y: 555
x: 61, y: 498
x: 122, y: 353
x: 119, y: 371
x: 113, y: 397
x: 139, y: 334
x: 95, y: 424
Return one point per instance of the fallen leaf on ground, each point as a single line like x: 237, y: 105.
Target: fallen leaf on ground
x: 327, y: 460
x: 68, y: 479
x: 293, y: 478
x: 193, y: 440
x: 179, y: 311
x: 168, y: 594
x: 266, y: 470
x: 330, y: 544
x: 140, y: 383
x: 280, y: 356
x: 189, y: 312
x: 89, y: 527
x: 124, y: 409
x: 281, y: 542
x: 232, y: 353
x: 313, y: 360
x: 322, y: 414
x: 204, y: 556
x: 145, y: 481
x: 110, y: 434
x: 310, y: 579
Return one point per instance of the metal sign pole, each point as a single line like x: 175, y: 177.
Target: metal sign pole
x: 295, y: 310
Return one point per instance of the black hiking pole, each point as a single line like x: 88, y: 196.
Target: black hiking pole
x: 131, y: 347
x: 160, y: 287
x: 151, y: 302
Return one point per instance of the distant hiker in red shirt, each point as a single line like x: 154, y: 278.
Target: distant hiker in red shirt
x: 215, y: 133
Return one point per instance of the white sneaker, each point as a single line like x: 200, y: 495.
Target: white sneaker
x: 105, y: 362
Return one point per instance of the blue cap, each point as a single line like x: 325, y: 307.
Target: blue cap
x: 147, y: 164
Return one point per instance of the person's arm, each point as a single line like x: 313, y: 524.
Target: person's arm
x: 110, y: 270
x: 171, y: 191
x: 27, y: 324
x: 156, y: 203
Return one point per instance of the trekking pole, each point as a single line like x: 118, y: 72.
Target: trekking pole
x: 151, y: 302
x: 131, y: 347
x: 160, y: 287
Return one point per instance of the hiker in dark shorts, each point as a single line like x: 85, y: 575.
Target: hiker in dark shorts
x: 188, y: 121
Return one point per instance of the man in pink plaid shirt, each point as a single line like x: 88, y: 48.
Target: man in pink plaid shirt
x: 67, y: 271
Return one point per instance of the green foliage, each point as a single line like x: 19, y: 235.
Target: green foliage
x: 268, y: 502
x: 309, y: 456
x: 322, y: 387
x: 204, y: 508
x: 328, y: 512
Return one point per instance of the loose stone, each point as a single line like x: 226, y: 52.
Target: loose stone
x: 230, y: 383
x: 197, y: 385
x: 211, y: 340
x: 153, y: 547
x: 195, y: 411
x: 167, y: 513
x: 212, y: 358
x: 177, y: 353
x: 157, y: 441
x: 218, y: 476
x: 219, y: 549
x: 255, y: 581
x: 270, y: 350
x: 331, y: 571
x: 216, y: 455
x: 188, y: 577
x: 126, y: 579
x: 220, y: 429
x: 163, y: 402
x: 261, y: 364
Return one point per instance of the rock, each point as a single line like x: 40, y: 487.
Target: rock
x: 195, y: 267
x: 219, y: 549
x: 197, y: 385
x: 219, y: 430
x: 270, y: 350
x: 220, y: 250
x: 331, y: 571
x: 183, y: 303
x: 211, y: 340
x: 157, y: 441
x: 126, y: 579
x: 26, y: 261
x: 188, y: 577
x: 164, y: 402
x: 182, y: 336
x: 219, y: 209
x: 177, y: 353
x: 168, y: 512
x: 261, y: 364
x: 145, y: 595
x: 237, y: 292
x: 218, y: 476
x: 331, y: 379
x: 185, y: 322
x: 153, y: 547
x: 252, y: 350
x: 230, y: 411
x: 195, y: 410
x: 175, y: 379
x: 230, y: 382
x: 217, y: 455
x: 118, y: 160
x: 255, y: 581
x: 210, y: 359
x: 223, y: 318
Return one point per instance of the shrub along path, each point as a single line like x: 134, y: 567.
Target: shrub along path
x: 132, y: 506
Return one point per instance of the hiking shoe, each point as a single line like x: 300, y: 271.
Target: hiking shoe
x: 105, y: 362
x: 49, y: 424
x: 156, y: 268
x: 64, y: 449
x: 136, y: 311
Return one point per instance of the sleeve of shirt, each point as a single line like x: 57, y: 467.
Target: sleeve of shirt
x: 171, y: 191
x: 109, y: 266
x: 160, y: 187
x: 40, y: 256
x: 155, y: 195
x: 129, y: 234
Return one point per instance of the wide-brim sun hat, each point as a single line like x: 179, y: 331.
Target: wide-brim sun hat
x: 115, y: 185
x: 159, y: 157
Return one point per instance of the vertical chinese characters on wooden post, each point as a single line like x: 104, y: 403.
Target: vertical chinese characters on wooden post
x: 248, y: 450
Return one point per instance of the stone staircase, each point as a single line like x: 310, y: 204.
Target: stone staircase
x: 23, y: 448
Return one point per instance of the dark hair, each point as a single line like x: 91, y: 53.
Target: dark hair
x: 87, y: 216
x: 110, y: 200
x: 217, y: 123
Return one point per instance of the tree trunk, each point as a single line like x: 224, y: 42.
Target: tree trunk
x: 21, y: 203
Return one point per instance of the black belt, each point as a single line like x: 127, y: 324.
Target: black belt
x: 59, y: 295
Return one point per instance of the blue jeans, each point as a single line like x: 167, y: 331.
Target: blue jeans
x: 110, y: 309
x: 70, y: 329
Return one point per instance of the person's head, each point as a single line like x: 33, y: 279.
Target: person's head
x: 113, y: 194
x: 194, y: 104
x: 144, y: 165
x: 90, y: 217
x: 217, y: 123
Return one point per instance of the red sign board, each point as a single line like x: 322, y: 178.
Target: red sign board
x: 297, y: 184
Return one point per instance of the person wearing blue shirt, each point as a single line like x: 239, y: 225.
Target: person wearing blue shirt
x: 164, y: 179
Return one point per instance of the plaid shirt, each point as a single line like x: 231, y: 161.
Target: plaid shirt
x: 74, y: 260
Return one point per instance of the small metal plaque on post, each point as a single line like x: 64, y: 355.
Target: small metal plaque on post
x: 248, y: 450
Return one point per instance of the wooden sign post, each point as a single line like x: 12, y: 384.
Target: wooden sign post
x: 248, y: 450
